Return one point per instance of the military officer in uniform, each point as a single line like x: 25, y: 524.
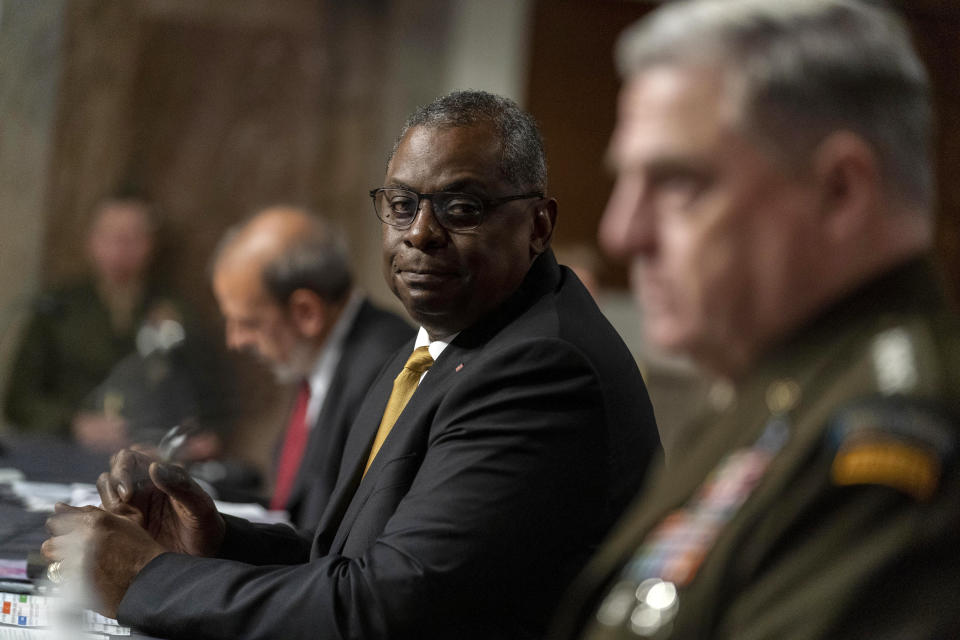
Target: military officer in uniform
x: 774, y: 198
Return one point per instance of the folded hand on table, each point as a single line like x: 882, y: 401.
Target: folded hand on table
x: 164, y: 500
x: 149, y: 508
x: 106, y: 549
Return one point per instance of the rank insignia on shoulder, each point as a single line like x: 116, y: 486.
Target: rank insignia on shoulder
x: 882, y: 442
x: 911, y: 470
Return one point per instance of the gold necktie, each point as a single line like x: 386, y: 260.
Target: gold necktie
x: 403, y: 387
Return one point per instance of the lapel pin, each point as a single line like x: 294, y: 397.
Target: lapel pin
x: 459, y: 366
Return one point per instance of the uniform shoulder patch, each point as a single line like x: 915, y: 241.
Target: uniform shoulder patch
x: 892, y: 442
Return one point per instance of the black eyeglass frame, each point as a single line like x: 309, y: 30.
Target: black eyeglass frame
x: 488, y: 205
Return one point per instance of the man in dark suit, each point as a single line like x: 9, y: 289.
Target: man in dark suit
x: 284, y: 285
x: 529, y: 432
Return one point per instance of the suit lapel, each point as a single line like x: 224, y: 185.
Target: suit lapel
x: 358, y: 443
x: 410, y: 427
x: 351, y: 494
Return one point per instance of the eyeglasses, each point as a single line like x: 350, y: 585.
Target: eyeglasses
x: 454, y: 211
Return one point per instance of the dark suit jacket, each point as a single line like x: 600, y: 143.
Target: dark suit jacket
x: 516, y: 453
x: 373, y: 337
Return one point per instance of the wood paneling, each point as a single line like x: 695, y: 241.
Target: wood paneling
x: 573, y: 94
x: 936, y: 31
x: 214, y: 109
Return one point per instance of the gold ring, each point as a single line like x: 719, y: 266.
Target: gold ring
x: 53, y: 572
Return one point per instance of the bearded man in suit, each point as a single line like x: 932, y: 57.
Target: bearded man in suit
x: 284, y: 285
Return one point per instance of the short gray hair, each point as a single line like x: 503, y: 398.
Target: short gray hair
x: 805, y: 68
x: 522, y: 161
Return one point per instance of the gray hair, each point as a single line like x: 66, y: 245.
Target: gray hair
x: 522, y: 158
x: 804, y: 69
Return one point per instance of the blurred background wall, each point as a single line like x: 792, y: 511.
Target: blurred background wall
x: 30, y: 54
x: 216, y: 107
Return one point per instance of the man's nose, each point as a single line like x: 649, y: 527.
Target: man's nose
x: 426, y: 230
x: 628, y: 226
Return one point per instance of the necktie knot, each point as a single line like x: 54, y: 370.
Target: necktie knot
x: 419, y: 361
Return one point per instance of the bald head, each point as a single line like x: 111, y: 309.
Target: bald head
x: 281, y: 279
x: 264, y: 236
x: 290, y: 249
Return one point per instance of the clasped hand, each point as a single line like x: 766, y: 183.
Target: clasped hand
x: 148, y: 508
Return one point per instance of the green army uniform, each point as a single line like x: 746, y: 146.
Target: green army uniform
x: 68, y: 349
x: 823, y: 502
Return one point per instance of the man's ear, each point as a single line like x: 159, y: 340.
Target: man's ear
x: 848, y: 172
x: 544, y: 221
x: 308, y: 311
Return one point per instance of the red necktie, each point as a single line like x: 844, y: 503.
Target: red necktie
x: 294, y: 444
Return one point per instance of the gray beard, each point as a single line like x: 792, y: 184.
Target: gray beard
x: 298, y: 366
